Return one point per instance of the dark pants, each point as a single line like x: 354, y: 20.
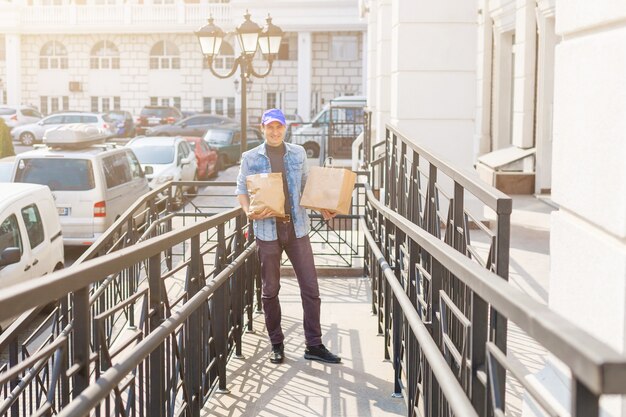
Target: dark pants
x: 301, y: 256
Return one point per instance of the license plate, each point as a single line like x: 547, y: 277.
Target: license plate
x: 63, y: 211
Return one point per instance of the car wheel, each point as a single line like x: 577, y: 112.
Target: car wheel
x: 312, y: 150
x: 27, y: 138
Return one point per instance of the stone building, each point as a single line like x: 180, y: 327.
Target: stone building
x: 103, y: 54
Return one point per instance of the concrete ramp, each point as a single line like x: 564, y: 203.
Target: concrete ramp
x: 359, y: 387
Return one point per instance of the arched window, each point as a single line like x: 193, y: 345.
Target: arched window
x: 104, y: 55
x: 53, y: 55
x: 164, y: 55
x: 224, y: 60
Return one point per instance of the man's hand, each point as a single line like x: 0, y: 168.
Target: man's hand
x: 266, y: 213
x: 327, y: 214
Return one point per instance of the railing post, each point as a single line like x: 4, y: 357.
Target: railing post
x: 193, y: 332
x: 219, y: 313
x: 238, y: 289
x: 81, y: 339
x: 584, y: 402
x: 156, y: 378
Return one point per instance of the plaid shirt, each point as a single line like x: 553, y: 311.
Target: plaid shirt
x: 256, y: 161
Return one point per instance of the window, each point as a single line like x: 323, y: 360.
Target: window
x: 344, y: 48
x: 164, y: 55
x: 288, y: 50
x: 51, y: 104
x: 104, y: 55
x: 270, y: 99
x: 134, y: 165
x: 31, y: 113
x: 165, y: 101
x: 10, y: 234
x: 105, y: 104
x: 225, y: 59
x: 58, y: 174
x: 53, y: 55
x: 34, y: 226
x: 53, y: 120
x: 219, y: 105
x: 116, y: 170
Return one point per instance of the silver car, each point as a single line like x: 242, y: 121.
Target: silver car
x: 34, y: 132
x: 19, y: 115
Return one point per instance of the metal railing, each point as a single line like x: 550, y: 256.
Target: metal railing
x: 442, y: 299
x: 145, y: 328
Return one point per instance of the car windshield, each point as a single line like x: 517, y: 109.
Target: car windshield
x: 58, y: 174
x: 113, y: 117
x: 154, y: 154
x: 218, y: 136
x: 146, y: 111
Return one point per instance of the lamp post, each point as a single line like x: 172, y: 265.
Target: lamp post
x: 250, y: 37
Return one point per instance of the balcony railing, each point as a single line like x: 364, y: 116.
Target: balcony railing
x: 35, y: 19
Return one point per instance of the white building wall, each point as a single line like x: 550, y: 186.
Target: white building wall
x: 433, y: 75
x: 382, y: 96
x: 588, y: 233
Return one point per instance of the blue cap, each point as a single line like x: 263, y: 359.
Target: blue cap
x: 273, y: 115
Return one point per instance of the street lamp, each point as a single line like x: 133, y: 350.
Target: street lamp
x: 250, y: 37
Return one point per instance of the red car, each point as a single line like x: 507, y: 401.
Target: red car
x: 206, y: 156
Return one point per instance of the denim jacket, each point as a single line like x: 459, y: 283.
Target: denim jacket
x: 256, y: 161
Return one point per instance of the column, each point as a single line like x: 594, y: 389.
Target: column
x: 305, y: 58
x: 383, y: 68
x: 524, y: 79
x: 434, y: 54
x: 482, y: 135
x: 372, y: 74
x: 13, y: 82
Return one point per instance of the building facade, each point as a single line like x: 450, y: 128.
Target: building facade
x: 545, y: 79
x: 99, y: 55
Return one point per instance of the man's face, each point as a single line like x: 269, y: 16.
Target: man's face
x: 274, y: 133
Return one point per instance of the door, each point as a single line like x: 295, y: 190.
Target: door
x: 11, y: 236
x: 39, y: 250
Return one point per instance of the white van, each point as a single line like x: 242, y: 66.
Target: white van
x: 31, y: 243
x: 347, y: 119
x: 92, y: 184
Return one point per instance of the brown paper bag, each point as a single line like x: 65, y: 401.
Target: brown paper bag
x: 329, y: 188
x: 266, y: 191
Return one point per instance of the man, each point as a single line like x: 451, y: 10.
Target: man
x: 290, y: 233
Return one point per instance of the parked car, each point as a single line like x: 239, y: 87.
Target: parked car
x: 122, y: 123
x: 92, y: 184
x: 293, y: 119
x: 6, y: 168
x: 34, y: 132
x: 205, y: 155
x: 156, y: 115
x: 347, y: 116
x: 191, y: 126
x: 226, y: 140
x: 165, y: 159
x: 19, y: 115
x: 31, y: 243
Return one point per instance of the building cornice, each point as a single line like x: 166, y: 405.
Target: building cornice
x: 177, y: 18
x: 503, y: 14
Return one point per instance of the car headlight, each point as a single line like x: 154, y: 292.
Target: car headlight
x: 164, y: 178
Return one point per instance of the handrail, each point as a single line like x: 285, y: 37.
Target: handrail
x: 96, y: 392
x: 457, y: 400
x: 494, y: 198
x: 50, y: 287
x: 596, y: 365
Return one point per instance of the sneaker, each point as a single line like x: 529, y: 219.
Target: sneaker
x: 277, y: 355
x: 320, y: 353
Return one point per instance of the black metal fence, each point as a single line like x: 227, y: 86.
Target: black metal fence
x: 143, y: 329
x: 442, y: 299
